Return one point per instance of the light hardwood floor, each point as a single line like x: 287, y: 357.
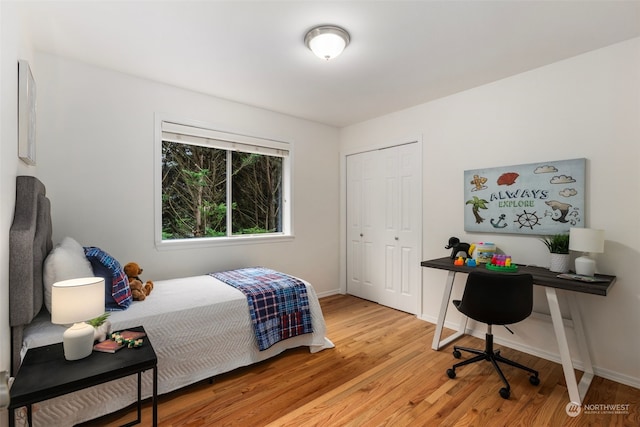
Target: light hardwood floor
x: 383, y: 372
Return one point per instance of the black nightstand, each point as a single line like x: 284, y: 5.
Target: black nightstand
x: 45, y: 374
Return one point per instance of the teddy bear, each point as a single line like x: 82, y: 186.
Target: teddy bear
x: 139, y: 291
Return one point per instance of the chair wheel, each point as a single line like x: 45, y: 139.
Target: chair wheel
x: 534, y: 380
x: 457, y: 354
x: 451, y: 373
x: 504, y: 393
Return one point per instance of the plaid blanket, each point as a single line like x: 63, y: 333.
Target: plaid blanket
x: 278, y: 303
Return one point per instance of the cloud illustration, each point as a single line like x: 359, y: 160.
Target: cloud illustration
x: 562, y: 179
x: 545, y: 169
x: 568, y: 192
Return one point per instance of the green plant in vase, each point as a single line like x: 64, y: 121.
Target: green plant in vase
x: 101, y: 327
x: 558, y: 246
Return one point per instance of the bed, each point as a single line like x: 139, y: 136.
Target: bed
x: 199, y: 326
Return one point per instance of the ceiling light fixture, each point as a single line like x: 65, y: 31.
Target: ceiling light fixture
x: 327, y: 41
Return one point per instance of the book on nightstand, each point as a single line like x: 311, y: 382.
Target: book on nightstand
x: 108, y: 346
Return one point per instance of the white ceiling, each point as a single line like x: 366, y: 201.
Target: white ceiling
x: 401, y: 53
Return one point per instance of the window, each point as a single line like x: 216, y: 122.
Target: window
x: 221, y: 187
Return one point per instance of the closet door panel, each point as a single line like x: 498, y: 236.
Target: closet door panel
x: 355, y: 249
x: 384, y: 229
x: 363, y: 213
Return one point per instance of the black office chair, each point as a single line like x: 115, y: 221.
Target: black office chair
x: 495, y: 299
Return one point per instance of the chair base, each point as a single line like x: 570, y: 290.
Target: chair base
x: 494, y: 358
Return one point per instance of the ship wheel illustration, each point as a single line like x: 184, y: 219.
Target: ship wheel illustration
x: 528, y: 219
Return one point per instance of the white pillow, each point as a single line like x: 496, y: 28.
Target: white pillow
x: 65, y: 261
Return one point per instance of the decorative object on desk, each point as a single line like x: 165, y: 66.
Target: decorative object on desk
x: 75, y: 301
x: 507, y: 269
x: 501, y: 262
x: 559, y: 263
x: 457, y: 246
x: 586, y: 240
x: 537, y: 198
x: 558, y: 246
x: 26, y: 114
x: 101, y: 327
x: 483, y: 252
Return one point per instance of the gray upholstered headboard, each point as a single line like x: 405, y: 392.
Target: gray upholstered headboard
x: 29, y: 244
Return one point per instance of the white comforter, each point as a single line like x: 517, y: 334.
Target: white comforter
x: 199, y: 327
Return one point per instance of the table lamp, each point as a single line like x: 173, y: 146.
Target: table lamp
x: 586, y: 240
x: 74, y: 301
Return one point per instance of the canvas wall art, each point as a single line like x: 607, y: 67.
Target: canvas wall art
x: 538, y: 198
x: 26, y: 114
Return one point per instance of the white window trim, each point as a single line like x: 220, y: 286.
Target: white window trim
x: 273, y: 147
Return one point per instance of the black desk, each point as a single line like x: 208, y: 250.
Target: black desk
x: 541, y: 276
x: 45, y: 374
x: 551, y: 283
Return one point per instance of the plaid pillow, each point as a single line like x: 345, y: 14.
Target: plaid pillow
x: 117, y: 290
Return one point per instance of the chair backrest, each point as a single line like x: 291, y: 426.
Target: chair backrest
x: 497, y: 298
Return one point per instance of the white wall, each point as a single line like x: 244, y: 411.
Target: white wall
x: 96, y: 150
x: 14, y: 45
x: 587, y: 106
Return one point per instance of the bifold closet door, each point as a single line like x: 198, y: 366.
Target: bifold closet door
x: 383, y: 226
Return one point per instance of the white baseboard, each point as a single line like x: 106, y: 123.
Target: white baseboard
x: 329, y: 293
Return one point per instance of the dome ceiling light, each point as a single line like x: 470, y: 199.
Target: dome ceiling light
x: 327, y: 41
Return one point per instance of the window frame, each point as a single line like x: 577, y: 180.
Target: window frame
x: 232, y: 138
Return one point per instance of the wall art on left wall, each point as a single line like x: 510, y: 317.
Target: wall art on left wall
x: 26, y: 114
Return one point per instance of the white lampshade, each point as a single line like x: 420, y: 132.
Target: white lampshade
x: 327, y: 41
x: 74, y: 301
x: 586, y: 240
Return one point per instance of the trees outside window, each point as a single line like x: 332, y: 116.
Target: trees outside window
x: 256, y: 193
x: 214, y: 188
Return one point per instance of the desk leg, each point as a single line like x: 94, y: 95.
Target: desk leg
x: 576, y: 393
x: 583, y: 347
x: 446, y: 296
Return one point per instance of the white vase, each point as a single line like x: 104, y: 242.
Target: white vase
x: 101, y: 332
x: 560, y: 263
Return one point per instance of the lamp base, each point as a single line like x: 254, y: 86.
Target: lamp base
x: 78, y: 341
x: 585, y: 266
